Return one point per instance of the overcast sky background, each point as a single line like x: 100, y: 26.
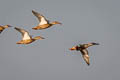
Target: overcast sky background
x: 50, y: 59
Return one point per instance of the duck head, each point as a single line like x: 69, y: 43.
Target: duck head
x: 76, y: 47
x: 73, y: 48
x: 38, y: 37
x: 56, y: 22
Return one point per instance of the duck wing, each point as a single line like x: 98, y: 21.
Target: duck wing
x: 85, y: 56
x: 90, y: 44
x: 25, y: 34
x: 40, y: 17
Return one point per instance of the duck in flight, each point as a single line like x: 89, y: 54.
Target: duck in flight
x: 4, y: 27
x: 26, y: 38
x: 43, y: 22
x: 83, y: 49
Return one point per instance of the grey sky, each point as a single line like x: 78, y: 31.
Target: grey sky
x: 83, y: 21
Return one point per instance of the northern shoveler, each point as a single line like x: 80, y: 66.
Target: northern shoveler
x: 26, y: 38
x: 83, y: 49
x: 43, y: 22
x: 3, y: 27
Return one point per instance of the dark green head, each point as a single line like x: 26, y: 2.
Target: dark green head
x: 79, y: 45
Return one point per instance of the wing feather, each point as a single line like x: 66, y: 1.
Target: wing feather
x: 40, y: 17
x: 90, y: 44
x: 85, y: 56
x: 25, y: 34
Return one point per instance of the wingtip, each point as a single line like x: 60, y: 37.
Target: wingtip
x: 32, y: 10
x: 16, y: 28
x: 88, y: 64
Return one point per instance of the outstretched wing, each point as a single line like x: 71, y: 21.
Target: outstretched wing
x: 40, y: 17
x: 85, y: 56
x: 25, y: 34
x: 90, y: 44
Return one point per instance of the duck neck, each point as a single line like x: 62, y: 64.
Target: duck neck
x: 52, y: 23
x: 78, y: 48
x: 36, y: 38
x: 6, y: 26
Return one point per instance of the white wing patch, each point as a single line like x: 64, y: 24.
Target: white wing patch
x: 43, y: 21
x: 26, y: 36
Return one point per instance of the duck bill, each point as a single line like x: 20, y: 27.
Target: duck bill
x: 73, y: 48
x: 60, y: 23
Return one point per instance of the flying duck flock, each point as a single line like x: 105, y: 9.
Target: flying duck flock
x: 44, y: 24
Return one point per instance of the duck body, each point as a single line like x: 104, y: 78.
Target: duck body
x: 25, y: 41
x: 40, y: 27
